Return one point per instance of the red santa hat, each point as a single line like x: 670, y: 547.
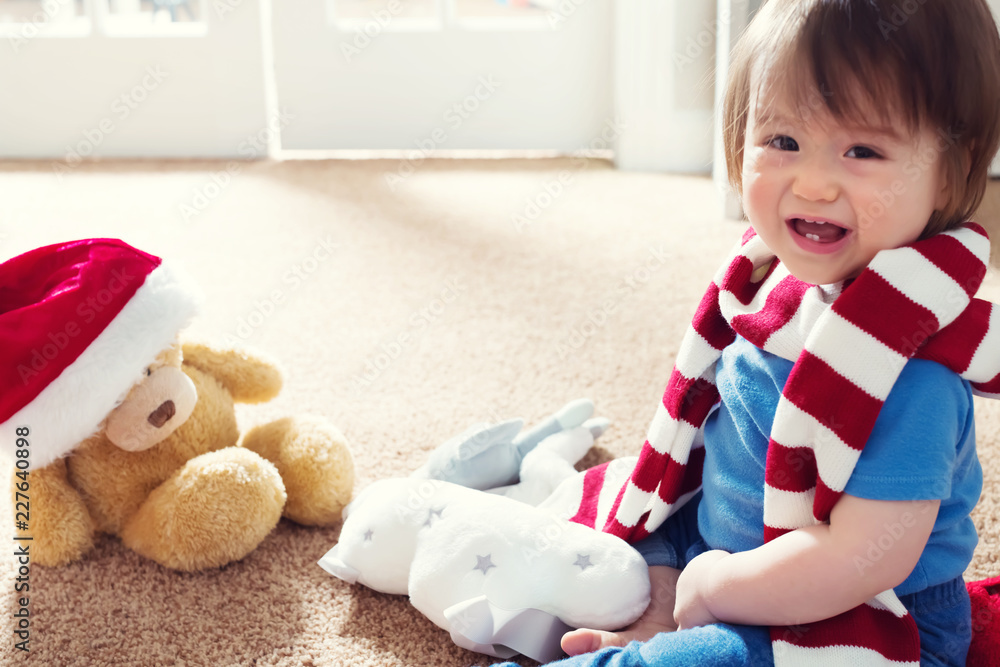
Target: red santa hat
x: 79, y: 323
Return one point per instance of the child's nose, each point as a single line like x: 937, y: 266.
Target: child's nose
x: 815, y: 180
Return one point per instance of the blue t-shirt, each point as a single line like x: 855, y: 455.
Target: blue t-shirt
x: 922, y: 448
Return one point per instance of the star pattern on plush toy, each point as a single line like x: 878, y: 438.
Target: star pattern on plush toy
x: 484, y: 563
x: 583, y: 562
x: 433, y: 513
x: 368, y: 535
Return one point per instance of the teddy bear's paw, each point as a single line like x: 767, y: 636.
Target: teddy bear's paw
x: 314, y: 461
x: 213, y: 511
x: 61, y: 530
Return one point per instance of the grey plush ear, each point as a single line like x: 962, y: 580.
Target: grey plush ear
x: 481, y: 457
x: 474, y: 441
x: 332, y: 563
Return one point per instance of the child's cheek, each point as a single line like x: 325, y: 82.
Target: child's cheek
x: 752, y: 156
x: 752, y: 162
x: 756, y: 193
x: 868, y: 176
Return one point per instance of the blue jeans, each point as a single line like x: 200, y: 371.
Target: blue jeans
x: 675, y: 544
x: 943, y: 614
x: 944, y: 617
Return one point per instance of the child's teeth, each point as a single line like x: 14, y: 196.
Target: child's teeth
x: 813, y: 237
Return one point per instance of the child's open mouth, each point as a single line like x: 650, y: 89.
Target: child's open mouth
x: 816, y: 235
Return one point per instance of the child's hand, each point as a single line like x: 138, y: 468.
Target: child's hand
x: 690, y: 610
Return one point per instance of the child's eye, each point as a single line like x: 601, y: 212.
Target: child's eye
x: 783, y: 142
x: 862, y: 152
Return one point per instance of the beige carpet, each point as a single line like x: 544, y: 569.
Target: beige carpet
x: 487, y: 316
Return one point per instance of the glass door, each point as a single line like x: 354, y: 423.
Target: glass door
x: 112, y: 78
x: 429, y: 75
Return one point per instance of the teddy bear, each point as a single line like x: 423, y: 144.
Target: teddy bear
x: 130, y: 432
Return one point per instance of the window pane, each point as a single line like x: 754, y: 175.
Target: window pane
x: 40, y: 11
x: 353, y: 10
x: 143, y: 13
x: 501, y: 8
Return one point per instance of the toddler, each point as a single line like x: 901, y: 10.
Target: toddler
x: 820, y: 402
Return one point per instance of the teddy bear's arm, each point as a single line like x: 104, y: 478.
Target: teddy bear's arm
x: 59, y: 524
x: 248, y: 376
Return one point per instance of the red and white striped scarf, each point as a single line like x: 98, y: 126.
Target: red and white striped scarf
x: 848, y: 351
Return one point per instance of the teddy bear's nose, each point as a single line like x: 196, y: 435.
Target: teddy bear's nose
x: 162, y: 414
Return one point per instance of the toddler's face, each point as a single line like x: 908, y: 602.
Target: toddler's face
x: 826, y: 196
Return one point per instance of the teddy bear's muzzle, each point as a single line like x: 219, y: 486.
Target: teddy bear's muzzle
x: 153, y: 410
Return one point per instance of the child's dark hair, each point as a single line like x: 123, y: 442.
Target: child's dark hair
x: 926, y: 63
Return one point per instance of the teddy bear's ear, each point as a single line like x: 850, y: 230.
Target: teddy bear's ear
x: 247, y: 375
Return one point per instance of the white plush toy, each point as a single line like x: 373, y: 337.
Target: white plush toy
x: 501, y: 575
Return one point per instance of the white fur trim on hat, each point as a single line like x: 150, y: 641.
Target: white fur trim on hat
x: 73, y: 406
